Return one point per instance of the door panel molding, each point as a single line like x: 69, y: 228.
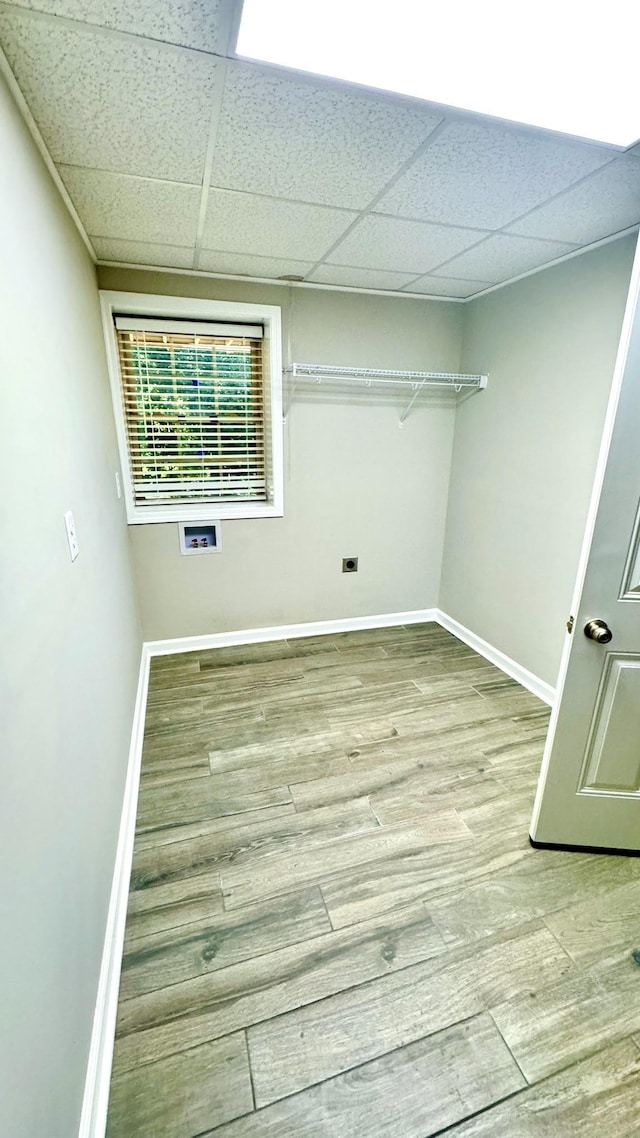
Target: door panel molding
x: 630, y: 588
x: 612, y: 757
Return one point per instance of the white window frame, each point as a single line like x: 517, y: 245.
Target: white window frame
x: 189, y: 308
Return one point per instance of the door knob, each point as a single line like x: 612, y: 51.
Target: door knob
x: 599, y: 631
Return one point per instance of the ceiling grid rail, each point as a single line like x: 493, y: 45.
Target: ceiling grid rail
x: 199, y: 161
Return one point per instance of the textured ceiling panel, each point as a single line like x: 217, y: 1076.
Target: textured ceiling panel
x: 130, y: 106
x: 604, y: 204
x: 316, y: 142
x: 447, y: 286
x: 142, y: 253
x: 360, y: 278
x: 501, y: 257
x: 191, y: 23
x: 134, y: 209
x: 245, y: 223
x: 125, y: 106
x: 484, y: 176
x: 247, y: 266
x: 402, y: 246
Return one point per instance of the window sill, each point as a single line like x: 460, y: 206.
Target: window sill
x: 221, y: 511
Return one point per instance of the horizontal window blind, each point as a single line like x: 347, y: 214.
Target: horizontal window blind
x: 194, y: 411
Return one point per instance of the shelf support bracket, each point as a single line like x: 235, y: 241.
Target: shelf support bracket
x: 405, y: 413
x: 289, y: 394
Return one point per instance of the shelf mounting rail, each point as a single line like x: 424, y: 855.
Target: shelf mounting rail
x: 417, y: 381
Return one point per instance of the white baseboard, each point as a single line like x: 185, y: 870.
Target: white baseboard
x: 287, y: 631
x: 541, y: 688
x: 528, y: 680
x: 93, y: 1119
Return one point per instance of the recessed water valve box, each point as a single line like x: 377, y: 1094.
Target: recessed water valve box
x: 199, y: 537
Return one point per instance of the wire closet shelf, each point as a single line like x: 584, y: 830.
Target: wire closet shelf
x: 415, y: 381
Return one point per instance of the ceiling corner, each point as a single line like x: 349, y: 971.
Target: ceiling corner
x: 32, y: 126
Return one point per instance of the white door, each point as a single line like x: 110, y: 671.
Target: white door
x: 589, y: 790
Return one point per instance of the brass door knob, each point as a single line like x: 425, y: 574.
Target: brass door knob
x: 599, y: 631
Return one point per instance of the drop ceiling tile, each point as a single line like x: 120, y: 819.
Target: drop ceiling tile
x: 501, y: 257
x: 605, y: 203
x: 245, y: 265
x: 313, y: 141
x: 133, y: 209
x: 130, y: 106
x: 143, y: 253
x: 401, y: 246
x: 485, y: 176
x: 359, y: 278
x: 448, y: 286
x: 191, y: 23
x: 268, y: 227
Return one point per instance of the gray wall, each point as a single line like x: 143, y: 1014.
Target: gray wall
x: 70, y: 648
x: 355, y: 484
x: 524, y: 457
x: 525, y: 451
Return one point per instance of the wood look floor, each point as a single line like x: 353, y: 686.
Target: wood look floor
x: 337, y: 926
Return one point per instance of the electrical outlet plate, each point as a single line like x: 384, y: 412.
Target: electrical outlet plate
x: 72, y: 536
x: 349, y: 564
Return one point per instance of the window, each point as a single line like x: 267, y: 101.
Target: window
x: 194, y: 411
x: 197, y: 394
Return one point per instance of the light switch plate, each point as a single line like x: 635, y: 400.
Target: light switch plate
x: 72, y: 536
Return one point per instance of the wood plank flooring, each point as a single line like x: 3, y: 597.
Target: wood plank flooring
x: 337, y: 926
